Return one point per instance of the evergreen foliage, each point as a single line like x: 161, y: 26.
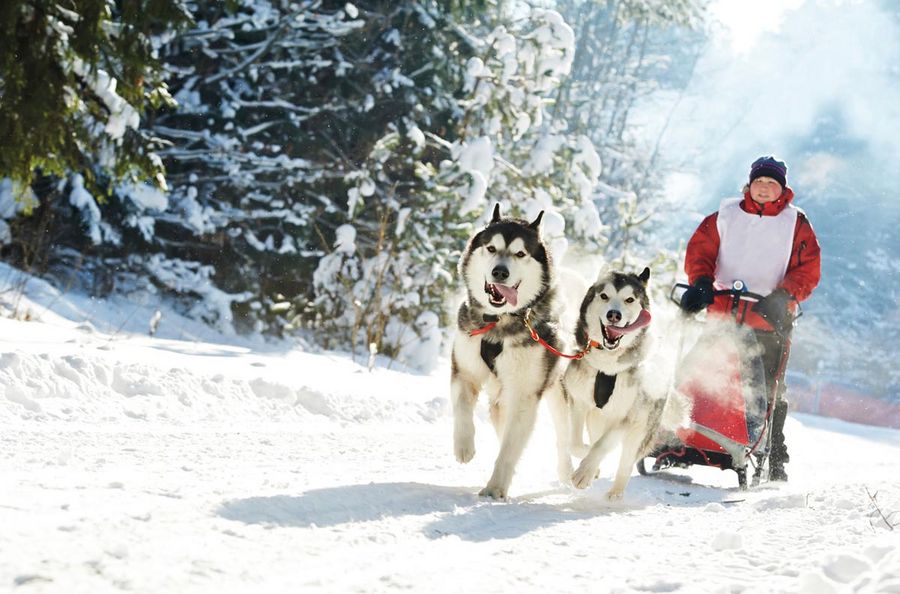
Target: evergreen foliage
x: 74, y: 77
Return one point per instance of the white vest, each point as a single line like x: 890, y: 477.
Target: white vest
x: 752, y: 248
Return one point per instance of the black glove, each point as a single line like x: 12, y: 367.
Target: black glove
x: 774, y: 309
x: 698, y: 296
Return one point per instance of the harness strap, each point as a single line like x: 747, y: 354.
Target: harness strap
x: 592, y: 344
x: 535, y: 337
x: 579, y: 355
x: 483, y: 330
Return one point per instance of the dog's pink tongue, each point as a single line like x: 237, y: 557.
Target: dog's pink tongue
x: 509, y: 293
x: 642, y: 320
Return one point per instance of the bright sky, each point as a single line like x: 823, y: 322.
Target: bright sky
x: 747, y: 20
x: 775, y: 72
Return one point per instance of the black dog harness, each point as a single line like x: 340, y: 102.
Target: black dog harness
x: 489, y: 350
x: 603, y: 387
x: 489, y: 353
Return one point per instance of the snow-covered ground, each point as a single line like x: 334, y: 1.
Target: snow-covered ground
x: 130, y: 463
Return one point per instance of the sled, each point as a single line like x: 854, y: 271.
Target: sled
x: 724, y: 378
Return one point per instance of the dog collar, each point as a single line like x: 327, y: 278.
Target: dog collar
x: 490, y: 323
x: 483, y: 330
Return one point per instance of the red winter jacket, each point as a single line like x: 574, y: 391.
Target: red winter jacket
x: 803, y: 271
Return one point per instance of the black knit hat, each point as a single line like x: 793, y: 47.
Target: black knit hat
x: 769, y: 166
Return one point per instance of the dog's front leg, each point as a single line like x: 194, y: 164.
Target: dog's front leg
x: 630, y: 447
x: 463, y: 394
x: 577, y: 417
x: 521, y: 414
x: 587, y: 470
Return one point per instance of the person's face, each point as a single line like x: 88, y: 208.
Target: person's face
x: 765, y: 189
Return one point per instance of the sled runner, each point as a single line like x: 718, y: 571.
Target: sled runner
x: 724, y: 377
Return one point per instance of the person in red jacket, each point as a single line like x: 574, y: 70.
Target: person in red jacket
x: 768, y: 244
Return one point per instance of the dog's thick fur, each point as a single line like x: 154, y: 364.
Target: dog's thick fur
x: 611, y: 391
x: 507, y: 270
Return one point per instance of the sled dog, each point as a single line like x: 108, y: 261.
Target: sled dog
x: 508, y: 275
x: 613, y: 390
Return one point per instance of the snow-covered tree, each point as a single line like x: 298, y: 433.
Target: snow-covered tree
x: 257, y: 147
x: 74, y: 80
x: 284, y: 111
x: 627, y: 50
x: 430, y: 179
x: 327, y: 160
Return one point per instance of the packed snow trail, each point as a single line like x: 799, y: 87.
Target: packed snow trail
x: 130, y: 464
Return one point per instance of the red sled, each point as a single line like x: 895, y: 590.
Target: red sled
x: 724, y: 378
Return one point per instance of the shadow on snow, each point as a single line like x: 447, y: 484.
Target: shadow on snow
x: 460, y: 512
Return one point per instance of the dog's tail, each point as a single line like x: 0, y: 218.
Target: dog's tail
x: 666, y: 417
x: 677, y: 412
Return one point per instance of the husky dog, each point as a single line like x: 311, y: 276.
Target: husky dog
x: 610, y: 390
x: 509, y: 282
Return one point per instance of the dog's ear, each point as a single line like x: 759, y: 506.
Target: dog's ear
x: 495, y: 218
x: 536, y: 224
x: 605, y: 269
x: 645, y: 276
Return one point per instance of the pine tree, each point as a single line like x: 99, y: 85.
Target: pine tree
x: 74, y: 80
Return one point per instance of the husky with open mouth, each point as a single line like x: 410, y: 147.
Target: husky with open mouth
x: 509, y: 281
x: 611, y: 390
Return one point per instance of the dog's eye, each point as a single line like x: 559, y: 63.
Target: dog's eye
x: 604, y: 296
x: 491, y: 249
x: 520, y: 254
x: 629, y: 300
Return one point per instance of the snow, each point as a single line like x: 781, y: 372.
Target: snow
x: 122, y: 115
x: 145, y: 197
x: 13, y: 200
x: 345, y: 239
x: 81, y: 199
x: 131, y: 463
x: 213, y: 305
x: 477, y: 155
x: 477, y: 160
x: 416, y: 135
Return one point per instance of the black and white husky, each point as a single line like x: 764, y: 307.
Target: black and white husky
x: 509, y: 280
x: 614, y: 391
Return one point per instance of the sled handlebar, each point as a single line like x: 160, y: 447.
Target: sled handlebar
x: 739, y: 293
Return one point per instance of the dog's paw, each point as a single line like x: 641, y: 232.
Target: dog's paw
x: 614, y: 494
x: 582, y: 478
x: 564, y: 473
x: 494, y: 492
x: 464, y: 450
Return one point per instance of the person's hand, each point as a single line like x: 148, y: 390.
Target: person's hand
x: 699, y: 296
x: 774, y: 309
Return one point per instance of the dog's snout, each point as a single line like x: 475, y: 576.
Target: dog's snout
x: 614, y: 316
x: 500, y: 272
